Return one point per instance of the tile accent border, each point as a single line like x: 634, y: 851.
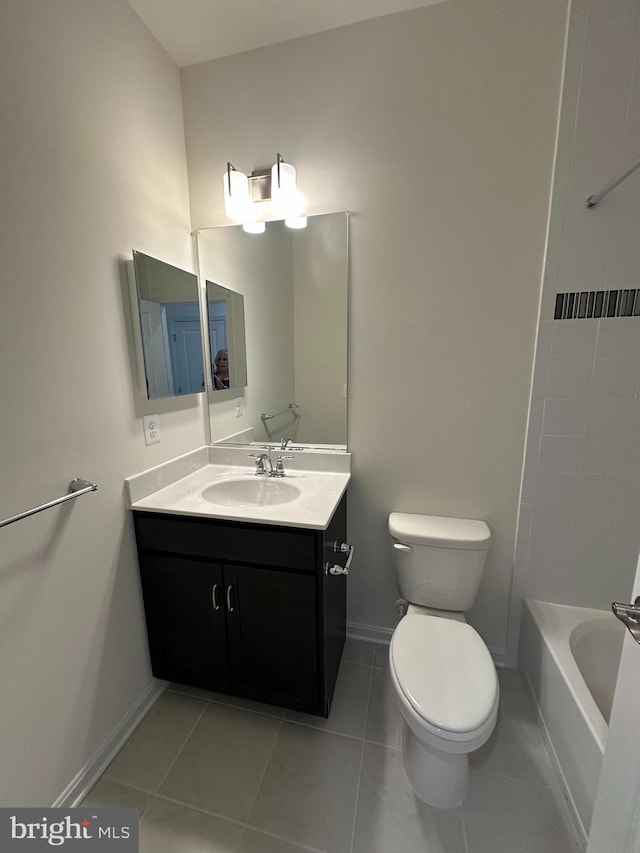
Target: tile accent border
x: 597, y: 303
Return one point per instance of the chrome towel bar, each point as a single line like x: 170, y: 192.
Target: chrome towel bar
x: 77, y: 487
x: 292, y: 406
x: 593, y: 200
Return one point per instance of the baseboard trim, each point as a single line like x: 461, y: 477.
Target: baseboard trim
x: 88, y: 775
x: 498, y: 656
x: 369, y: 633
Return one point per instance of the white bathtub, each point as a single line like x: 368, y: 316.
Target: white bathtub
x: 569, y: 659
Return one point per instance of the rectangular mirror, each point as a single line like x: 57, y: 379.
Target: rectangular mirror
x: 294, y: 285
x: 168, y: 311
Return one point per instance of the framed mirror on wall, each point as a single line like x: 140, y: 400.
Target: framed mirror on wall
x: 165, y: 301
x: 293, y: 286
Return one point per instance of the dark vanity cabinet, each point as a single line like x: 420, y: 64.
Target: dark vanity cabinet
x: 245, y: 609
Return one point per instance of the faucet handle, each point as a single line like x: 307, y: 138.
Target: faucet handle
x: 260, y: 459
x: 280, y: 472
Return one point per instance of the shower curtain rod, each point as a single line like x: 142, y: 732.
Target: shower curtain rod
x: 593, y: 200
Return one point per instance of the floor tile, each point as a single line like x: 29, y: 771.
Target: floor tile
x: 248, y: 705
x: 108, y: 794
x: 257, y: 842
x: 349, y: 707
x: 384, y: 722
x: 391, y: 818
x: 147, y: 756
x: 170, y: 828
x: 227, y: 699
x: 510, y: 682
x: 516, y: 748
x: 222, y: 764
x: 308, y: 794
x: 381, y: 655
x: 502, y: 814
x: 357, y: 651
x: 188, y: 690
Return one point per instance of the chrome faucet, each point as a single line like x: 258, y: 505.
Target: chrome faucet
x: 264, y: 466
x: 284, y: 443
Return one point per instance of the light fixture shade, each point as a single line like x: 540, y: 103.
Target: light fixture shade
x: 285, y: 198
x: 296, y: 222
x: 237, y: 200
x: 254, y: 227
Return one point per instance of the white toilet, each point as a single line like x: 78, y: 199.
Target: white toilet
x: 444, y: 679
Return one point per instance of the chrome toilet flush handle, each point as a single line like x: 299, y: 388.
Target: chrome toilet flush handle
x: 399, y: 547
x: 340, y: 548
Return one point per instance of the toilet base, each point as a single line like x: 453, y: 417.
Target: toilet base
x: 439, y: 779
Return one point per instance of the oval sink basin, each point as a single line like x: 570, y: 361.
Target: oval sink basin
x: 256, y: 492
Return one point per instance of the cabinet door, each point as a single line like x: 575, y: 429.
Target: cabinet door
x: 271, y: 619
x: 184, y: 607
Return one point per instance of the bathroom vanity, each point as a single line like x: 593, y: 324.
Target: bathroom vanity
x: 248, y: 608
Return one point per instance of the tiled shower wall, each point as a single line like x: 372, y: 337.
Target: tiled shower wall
x: 579, y: 529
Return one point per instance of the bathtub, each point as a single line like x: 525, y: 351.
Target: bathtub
x: 569, y: 658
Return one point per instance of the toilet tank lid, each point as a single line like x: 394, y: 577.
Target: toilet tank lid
x: 439, y: 531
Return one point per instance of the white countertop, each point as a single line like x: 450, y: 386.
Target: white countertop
x: 320, y: 493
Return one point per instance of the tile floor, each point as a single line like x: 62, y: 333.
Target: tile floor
x: 214, y: 774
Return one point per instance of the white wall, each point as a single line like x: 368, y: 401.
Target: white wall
x: 93, y: 166
x: 578, y: 536
x: 436, y: 128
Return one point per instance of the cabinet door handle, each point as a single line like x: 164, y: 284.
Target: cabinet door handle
x: 214, y: 597
x: 229, y: 599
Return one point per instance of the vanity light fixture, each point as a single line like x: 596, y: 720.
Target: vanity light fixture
x: 254, y: 227
x: 296, y: 222
x: 237, y: 199
x: 244, y: 193
x: 285, y: 198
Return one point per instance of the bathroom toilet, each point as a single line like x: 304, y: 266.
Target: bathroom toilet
x: 445, y: 683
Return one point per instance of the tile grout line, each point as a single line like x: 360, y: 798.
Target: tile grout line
x: 263, y: 774
x: 266, y: 832
x: 178, y: 754
x: 363, y: 741
x: 538, y: 786
x: 200, y: 810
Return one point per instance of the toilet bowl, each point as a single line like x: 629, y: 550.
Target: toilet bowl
x: 446, y: 689
x: 445, y: 683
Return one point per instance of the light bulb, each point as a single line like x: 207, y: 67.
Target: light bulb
x: 296, y: 222
x: 237, y: 200
x: 254, y: 227
x: 285, y: 199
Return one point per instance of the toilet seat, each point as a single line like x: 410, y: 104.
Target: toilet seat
x: 445, y: 677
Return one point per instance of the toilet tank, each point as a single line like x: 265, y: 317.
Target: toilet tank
x: 439, y: 561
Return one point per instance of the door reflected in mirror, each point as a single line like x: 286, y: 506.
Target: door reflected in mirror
x: 293, y: 290
x: 170, y: 328
x: 225, y: 313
